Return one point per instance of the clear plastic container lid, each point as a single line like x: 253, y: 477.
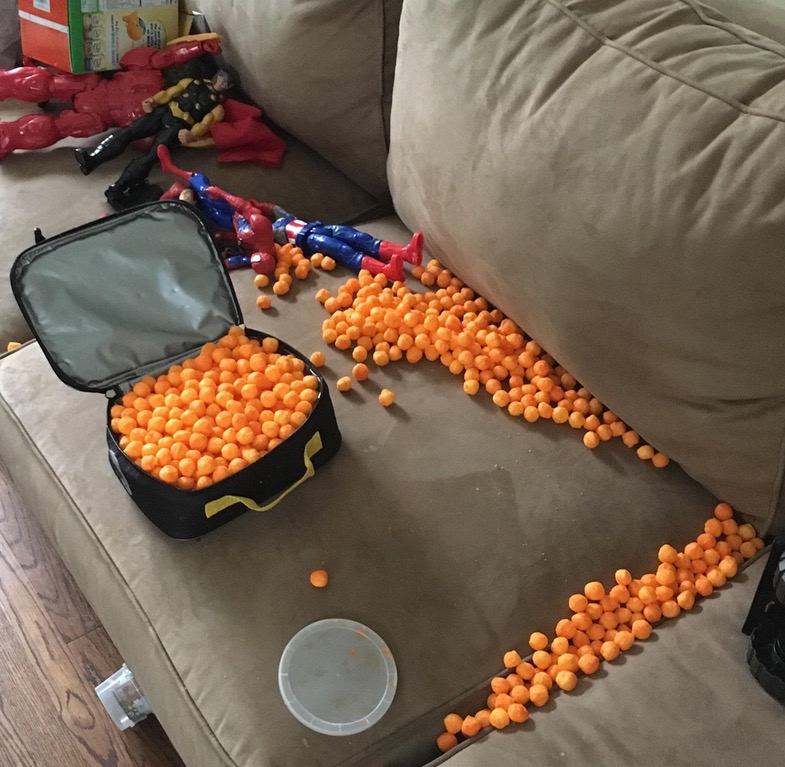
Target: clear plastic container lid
x: 337, y: 676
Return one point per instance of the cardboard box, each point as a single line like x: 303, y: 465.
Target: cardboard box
x: 92, y: 35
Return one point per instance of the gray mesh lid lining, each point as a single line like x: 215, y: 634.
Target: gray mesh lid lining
x: 122, y: 297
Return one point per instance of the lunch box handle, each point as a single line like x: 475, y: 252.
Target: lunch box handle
x: 313, y: 446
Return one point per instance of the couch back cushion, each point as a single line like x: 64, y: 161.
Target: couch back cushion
x: 321, y: 70
x: 609, y: 175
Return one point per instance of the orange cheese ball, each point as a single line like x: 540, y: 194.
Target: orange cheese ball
x: 499, y: 718
x: 609, y: 650
x: 453, y: 723
x: 624, y: 640
x: 747, y: 532
x: 519, y: 694
x: 716, y: 577
x: 723, y: 511
x: 667, y: 554
x: 686, y: 600
x: 660, y: 460
x: 360, y: 371
x: 567, y: 662
x: 344, y: 384
x: 578, y: 603
x: 470, y: 726
x: 318, y: 359
x: 471, y: 387
x: 174, y: 426
x: 543, y: 678
x: 446, y: 741
x: 517, y: 712
x: 319, y: 578
x: 559, y: 646
x: 566, y: 680
x: 511, y: 659
x: 386, y: 397
x: 541, y: 659
x: 589, y: 663
x: 594, y: 590
x: 525, y: 670
x: 503, y: 700
x: 539, y: 695
x: 591, y: 440
x: 641, y: 629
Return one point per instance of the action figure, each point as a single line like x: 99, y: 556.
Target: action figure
x: 349, y: 246
x: 249, y: 221
x: 181, y: 114
x: 99, y: 103
x: 343, y: 243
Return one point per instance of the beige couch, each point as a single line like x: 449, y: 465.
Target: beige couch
x: 606, y: 174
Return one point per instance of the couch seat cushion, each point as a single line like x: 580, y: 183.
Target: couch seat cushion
x: 685, y: 696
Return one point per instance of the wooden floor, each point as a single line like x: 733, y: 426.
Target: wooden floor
x: 53, y: 652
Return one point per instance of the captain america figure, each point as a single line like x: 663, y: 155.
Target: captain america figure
x: 349, y: 246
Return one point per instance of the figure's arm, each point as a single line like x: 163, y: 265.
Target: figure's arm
x: 165, y: 96
x: 269, y: 209
x: 177, y: 52
x: 242, y: 206
x: 198, y: 132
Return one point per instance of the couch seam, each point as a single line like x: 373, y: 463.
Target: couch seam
x: 226, y: 757
x: 777, y: 487
x: 659, y: 68
x: 385, y: 123
x: 729, y: 28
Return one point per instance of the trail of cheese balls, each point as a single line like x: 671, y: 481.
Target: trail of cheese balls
x: 606, y: 622
x: 380, y: 323
x: 216, y: 413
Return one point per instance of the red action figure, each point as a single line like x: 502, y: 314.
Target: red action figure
x: 99, y: 102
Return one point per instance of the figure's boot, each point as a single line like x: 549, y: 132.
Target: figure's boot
x: 411, y: 252
x: 132, y: 185
x: 393, y: 270
x: 112, y: 146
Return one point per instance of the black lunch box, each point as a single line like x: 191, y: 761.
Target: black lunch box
x: 130, y: 295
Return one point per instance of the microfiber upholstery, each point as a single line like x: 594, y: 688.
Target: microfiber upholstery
x: 321, y: 70
x: 608, y: 174
x: 763, y: 16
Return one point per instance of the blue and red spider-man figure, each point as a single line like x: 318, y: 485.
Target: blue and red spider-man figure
x: 258, y: 225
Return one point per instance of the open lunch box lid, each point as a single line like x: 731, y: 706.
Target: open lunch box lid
x: 125, y: 296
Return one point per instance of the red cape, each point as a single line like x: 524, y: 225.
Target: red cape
x: 241, y: 137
